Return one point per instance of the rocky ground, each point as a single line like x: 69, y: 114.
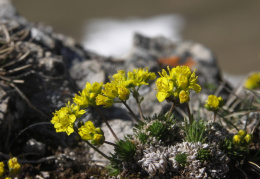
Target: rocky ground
x: 41, y: 70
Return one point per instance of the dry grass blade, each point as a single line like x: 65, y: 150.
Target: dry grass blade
x: 6, y: 33
x: 18, y: 69
x: 15, y: 61
x: 221, y: 86
x: 241, y: 113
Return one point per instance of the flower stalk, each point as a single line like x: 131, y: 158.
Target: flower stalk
x: 108, y: 125
x: 189, y: 114
x: 96, y: 149
x: 131, y: 112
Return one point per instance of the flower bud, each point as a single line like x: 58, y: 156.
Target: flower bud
x: 237, y: 139
x: 248, y: 138
x: 98, y: 139
x: 123, y: 93
x: 184, y: 96
x: 242, y: 133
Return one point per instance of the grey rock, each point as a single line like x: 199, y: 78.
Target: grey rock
x: 87, y: 71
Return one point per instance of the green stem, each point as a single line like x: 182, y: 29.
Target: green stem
x: 171, y: 109
x: 189, y: 113
x: 96, y: 149
x: 130, y: 110
x: 109, y: 127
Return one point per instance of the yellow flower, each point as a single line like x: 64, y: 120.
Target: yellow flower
x: 165, y: 88
x: 182, y: 81
x: 248, y: 138
x: 104, y: 100
x: 140, y: 76
x: 98, y: 139
x: 193, y: 83
x: 184, y: 96
x: 120, y: 78
x: 253, y: 81
x: 2, y: 170
x: 242, y: 133
x: 237, y: 139
x: 110, y: 90
x: 213, y: 103
x: 7, y: 178
x: 123, y: 92
x: 88, y: 95
x: 180, y: 70
x: 179, y: 79
x: 64, y: 118
x: 13, y: 165
x: 89, y: 132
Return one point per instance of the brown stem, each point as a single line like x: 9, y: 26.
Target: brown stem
x: 214, y: 117
x: 189, y: 113
x: 110, y: 143
x: 139, y: 108
x: 130, y: 110
x: 171, y: 109
x: 109, y: 127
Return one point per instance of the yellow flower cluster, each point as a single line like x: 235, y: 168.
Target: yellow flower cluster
x: 242, y: 138
x: 88, y: 95
x: 89, y: 132
x: 253, y: 81
x: 213, y: 103
x: 177, y: 84
x: 13, y: 165
x: 120, y: 87
x: 121, y: 84
x: 64, y: 118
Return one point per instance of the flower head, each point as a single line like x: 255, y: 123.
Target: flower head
x: 98, y: 139
x: 177, y: 83
x: 123, y: 92
x: 64, y: 118
x: 242, y: 138
x: 253, y: 81
x: 184, y: 96
x: 248, y: 138
x: 214, y: 103
x: 89, y: 132
x: 120, y: 85
x: 237, y: 139
x: 242, y: 133
x: 13, y: 165
x: 140, y: 76
x: 165, y: 88
x: 88, y: 95
x: 104, y: 100
x: 2, y: 170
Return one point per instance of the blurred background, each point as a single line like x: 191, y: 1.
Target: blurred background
x: 231, y: 29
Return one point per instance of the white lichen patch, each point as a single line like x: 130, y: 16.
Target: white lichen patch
x: 155, y: 160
